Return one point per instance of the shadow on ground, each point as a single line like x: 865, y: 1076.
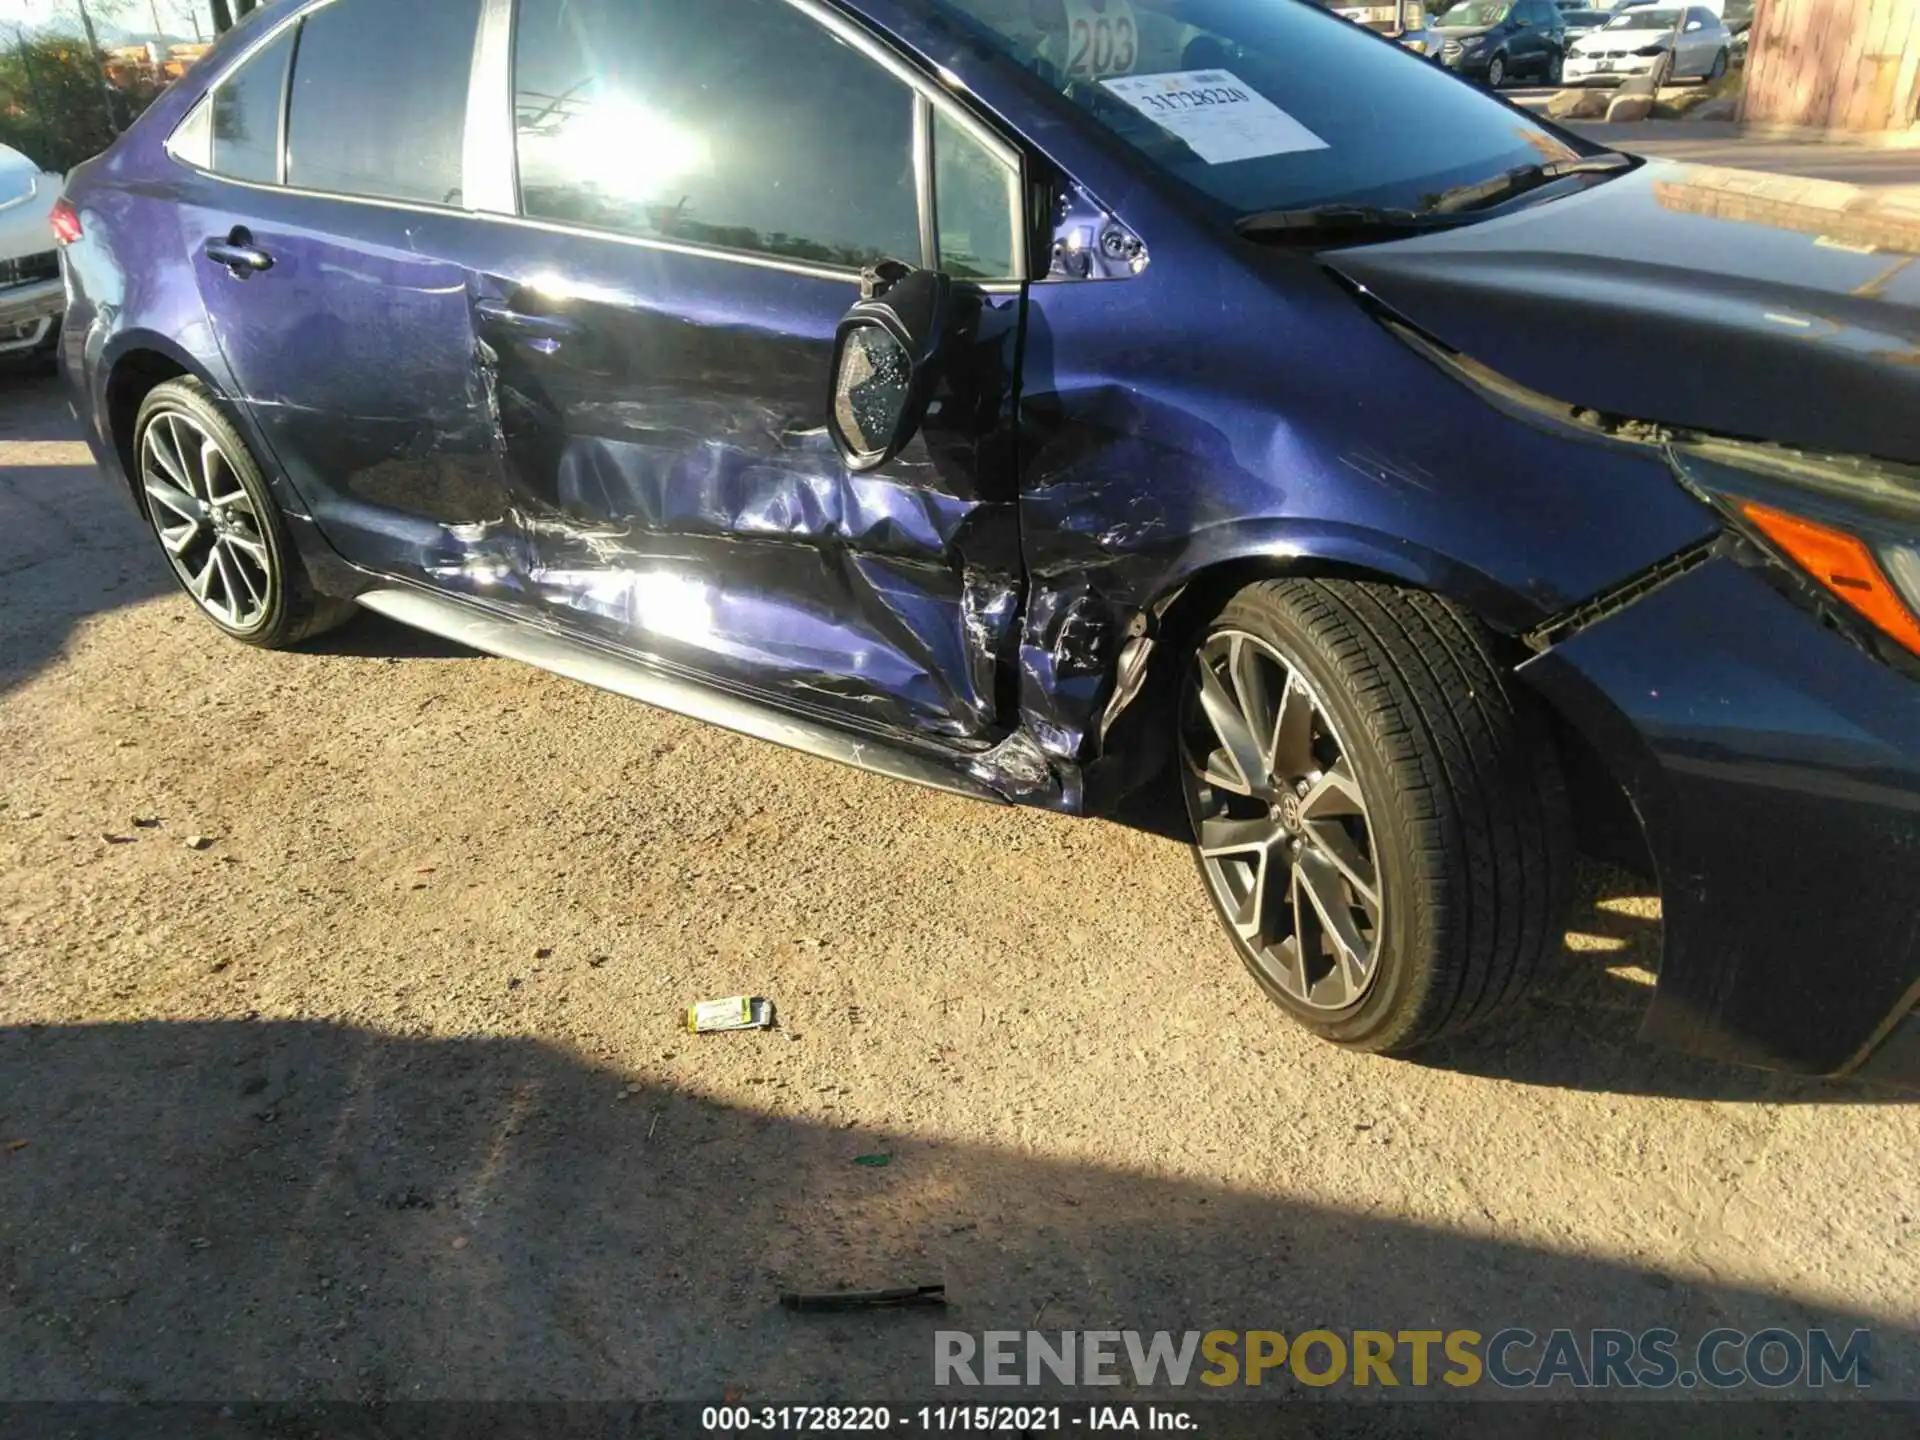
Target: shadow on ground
x: 1578, y: 1030
x: 307, y: 1211
x: 70, y: 545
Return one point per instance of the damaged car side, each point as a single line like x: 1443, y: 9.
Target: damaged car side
x: 1029, y: 399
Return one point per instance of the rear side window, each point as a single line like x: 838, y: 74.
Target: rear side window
x: 379, y: 104
x: 742, y: 124
x: 245, y: 115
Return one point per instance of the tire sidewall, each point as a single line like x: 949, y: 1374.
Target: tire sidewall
x: 1496, y: 72
x: 187, y: 398
x: 1391, y: 999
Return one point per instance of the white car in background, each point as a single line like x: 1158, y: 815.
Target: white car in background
x: 1671, y: 42
x: 32, y: 295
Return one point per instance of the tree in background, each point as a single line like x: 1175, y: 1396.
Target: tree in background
x: 51, y: 104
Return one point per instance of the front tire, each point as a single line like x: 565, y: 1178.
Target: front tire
x: 209, y: 507
x: 1556, y: 64
x: 1718, y: 69
x: 1378, y: 813
x: 1496, y: 72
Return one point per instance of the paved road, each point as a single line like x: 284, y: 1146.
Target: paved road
x: 384, y: 1093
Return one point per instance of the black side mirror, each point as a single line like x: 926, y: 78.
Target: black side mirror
x: 885, y: 362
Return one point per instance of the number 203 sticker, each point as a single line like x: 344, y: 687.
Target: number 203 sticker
x: 1103, y: 38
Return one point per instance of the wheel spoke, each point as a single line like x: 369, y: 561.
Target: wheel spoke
x: 235, y: 565
x: 174, y: 498
x: 1247, y: 668
x: 1254, y: 922
x: 211, y: 461
x: 1224, y: 836
x: 175, y: 539
x: 201, y: 581
x: 1246, y: 773
x: 1331, y: 839
x: 223, y: 560
x: 161, y: 448
x: 255, y: 550
x: 1293, y: 729
x: 1320, y: 883
x: 190, y: 474
x: 1334, y: 793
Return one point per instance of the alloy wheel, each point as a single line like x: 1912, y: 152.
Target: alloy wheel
x: 1280, y: 822
x: 210, y: 527
x: 1496, y: 73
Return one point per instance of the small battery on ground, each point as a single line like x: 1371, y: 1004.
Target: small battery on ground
x: 736, y: 1012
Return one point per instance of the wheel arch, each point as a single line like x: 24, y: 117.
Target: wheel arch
x: 1136, y: 741
x: 133, y: 367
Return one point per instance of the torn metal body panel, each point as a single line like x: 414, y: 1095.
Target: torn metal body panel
x: 676, y: 494
x: 1171, y: 456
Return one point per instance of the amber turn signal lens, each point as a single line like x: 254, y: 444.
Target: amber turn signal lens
x: 1844, y: 565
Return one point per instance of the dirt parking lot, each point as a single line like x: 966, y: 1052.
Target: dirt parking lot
x: 383, y: 1093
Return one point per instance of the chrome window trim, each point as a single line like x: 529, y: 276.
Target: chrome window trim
x: 489, y: 164
x: 924, y: 197
x: 286, y: 99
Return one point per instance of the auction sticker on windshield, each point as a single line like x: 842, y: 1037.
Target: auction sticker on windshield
x: 1221, y: 118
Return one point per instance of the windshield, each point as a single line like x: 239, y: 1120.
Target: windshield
x: 1643, y: 19
x: 1479, y: 13
x: 1265, y: 104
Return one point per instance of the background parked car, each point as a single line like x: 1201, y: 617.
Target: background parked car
x: 1642, y: 40
x: 1402, y: 20
x: 1501, y: 40
x: 1581, y: 22
x: 32, y: 298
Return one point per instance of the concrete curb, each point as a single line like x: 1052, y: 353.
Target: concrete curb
x: 1907, y: 139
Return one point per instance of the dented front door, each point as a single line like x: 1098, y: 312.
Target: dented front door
x: 664, y: 418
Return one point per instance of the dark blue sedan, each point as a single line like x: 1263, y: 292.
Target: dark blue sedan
x: 1042, y: 398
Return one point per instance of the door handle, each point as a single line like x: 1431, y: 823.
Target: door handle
x: 238, y: 253
x: 543, y: 327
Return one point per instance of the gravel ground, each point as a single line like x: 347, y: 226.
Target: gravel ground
x: 383, y: 1092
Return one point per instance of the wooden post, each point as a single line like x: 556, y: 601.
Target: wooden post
x: 1850, y: 65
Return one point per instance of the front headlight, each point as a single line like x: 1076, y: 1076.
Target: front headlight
x: 1846, y: 523
x: 1657, y: 48
x: 1470, y: 43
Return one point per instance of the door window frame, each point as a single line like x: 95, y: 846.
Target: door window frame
x: 489, y: 162
x: 492, y: 168
x: 184, y: 146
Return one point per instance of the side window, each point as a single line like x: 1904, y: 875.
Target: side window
x: 245, y: 117
x: 743, y: 124
x: 379, y: 103
x: 976, y: 205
